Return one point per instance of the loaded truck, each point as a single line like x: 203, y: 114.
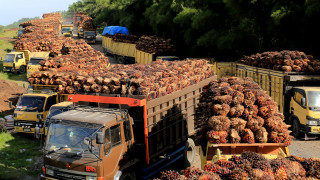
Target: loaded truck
x: 17, y: 61
x: 122, y: 137
x: 127, y: 52
x: 80, y: 32
x: 67, y: 29
x: 89, y: 36
x: 33, y: 106
x: 34, y: 63
x: 296, y: 93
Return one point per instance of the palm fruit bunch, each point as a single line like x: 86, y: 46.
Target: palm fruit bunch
x: 285, y: 60
x: 237, y: 110
x: 251, y: 165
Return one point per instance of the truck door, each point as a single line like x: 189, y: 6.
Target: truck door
x: 297, y: 108
x: 50, y: 101
x: 113, y: 150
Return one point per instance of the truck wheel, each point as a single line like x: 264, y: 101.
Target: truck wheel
x: 22, y: 69
x: 128, y: 176
x: 296, y: 129
x: 121, y: 60
x: 189, y: 152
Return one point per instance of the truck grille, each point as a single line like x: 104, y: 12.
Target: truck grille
x: 64, y: 175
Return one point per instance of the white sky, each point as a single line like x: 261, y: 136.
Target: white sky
x: 13, y: 10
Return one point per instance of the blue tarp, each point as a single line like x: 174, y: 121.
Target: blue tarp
x: 112, y: 30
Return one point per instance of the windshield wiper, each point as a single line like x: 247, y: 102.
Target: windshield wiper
x: 55, y: 150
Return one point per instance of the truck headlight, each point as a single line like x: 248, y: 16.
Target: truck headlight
x: 311, y: 121
x: 91, y: 178
x: 49, y: 172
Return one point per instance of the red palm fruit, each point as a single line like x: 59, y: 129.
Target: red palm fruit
x: 237, y: 87
x: 227, y: 90
x: 192, y: 171
x: 281, y: 174
x: 238, y: 174
x: 221, y: 109
x: 261, y: 135
x: 234, y: 136
x: 249, y: 98
x: 225, y: 163
x: 225, y: 99
x: 219, y: 123
x: 238, y: 98
x: 224, y: 84
x: 223, y: 171
x: 235, y: 80
x: 238, y: 124
x: 258, y: 174
x: 247, y: 136
x: 236, y: 111
x: 275, y: 123
x: 170, y: 175
x: 255, y: 123
x: 209, y: 176
x: 250, y: 112
x: 217, y: 137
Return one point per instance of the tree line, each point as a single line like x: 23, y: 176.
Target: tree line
x: 223, y: 29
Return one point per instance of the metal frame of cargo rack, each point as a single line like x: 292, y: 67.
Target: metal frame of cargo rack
x: 117, y: 100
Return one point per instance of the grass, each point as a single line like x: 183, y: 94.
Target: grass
x: 5, y: 43
x: 14, y: 152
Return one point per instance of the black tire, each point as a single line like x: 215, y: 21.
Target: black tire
x: 128, y: 176
x: 189, y: 152
x: 22, y: 69
x: 121, y: 60
x: 296, y: 129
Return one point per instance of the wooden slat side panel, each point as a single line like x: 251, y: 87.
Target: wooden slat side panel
x: 170, y: 118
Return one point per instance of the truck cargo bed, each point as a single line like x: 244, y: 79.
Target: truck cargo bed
x: 161, y: 124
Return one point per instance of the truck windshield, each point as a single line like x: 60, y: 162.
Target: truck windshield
x: 31, y: 103
x: 8, y: 58
x: 66, y: 29
x: 91, y: 33
x: 20, y: 32
x: 71, y: 136
x: 314, y: 100
x: 35, y: 61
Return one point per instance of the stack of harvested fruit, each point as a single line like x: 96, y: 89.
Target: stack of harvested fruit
x: 283, y: 61
x: 251, y: 165
x: 235, y: 110
x: 93, y: 76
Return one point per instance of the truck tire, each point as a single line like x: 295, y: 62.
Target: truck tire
x: 128, y: 176
x: 189, y: 152
x: 22, y: 69
x: 121, y: 59
x: 296, y: 128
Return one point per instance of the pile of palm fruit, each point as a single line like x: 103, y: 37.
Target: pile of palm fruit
x: 251, y: 165
x: 287, y: 61
x: 236, y: 110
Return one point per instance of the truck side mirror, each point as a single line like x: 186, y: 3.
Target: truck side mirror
x: 100, y: 138
x: 10, y: 104
x: 303, y: 101
x: 39, y: 116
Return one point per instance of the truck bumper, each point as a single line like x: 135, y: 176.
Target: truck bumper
x: 26, y: 127
x: 314, y: 129
x: 47, y: 178
x: 9, y: 69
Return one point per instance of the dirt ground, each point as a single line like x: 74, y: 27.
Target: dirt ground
x: 8, y: 89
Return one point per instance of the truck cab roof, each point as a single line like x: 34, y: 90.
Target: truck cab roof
x: 89, y: 114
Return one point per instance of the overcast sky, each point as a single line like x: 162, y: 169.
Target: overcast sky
x: 13, y: 10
